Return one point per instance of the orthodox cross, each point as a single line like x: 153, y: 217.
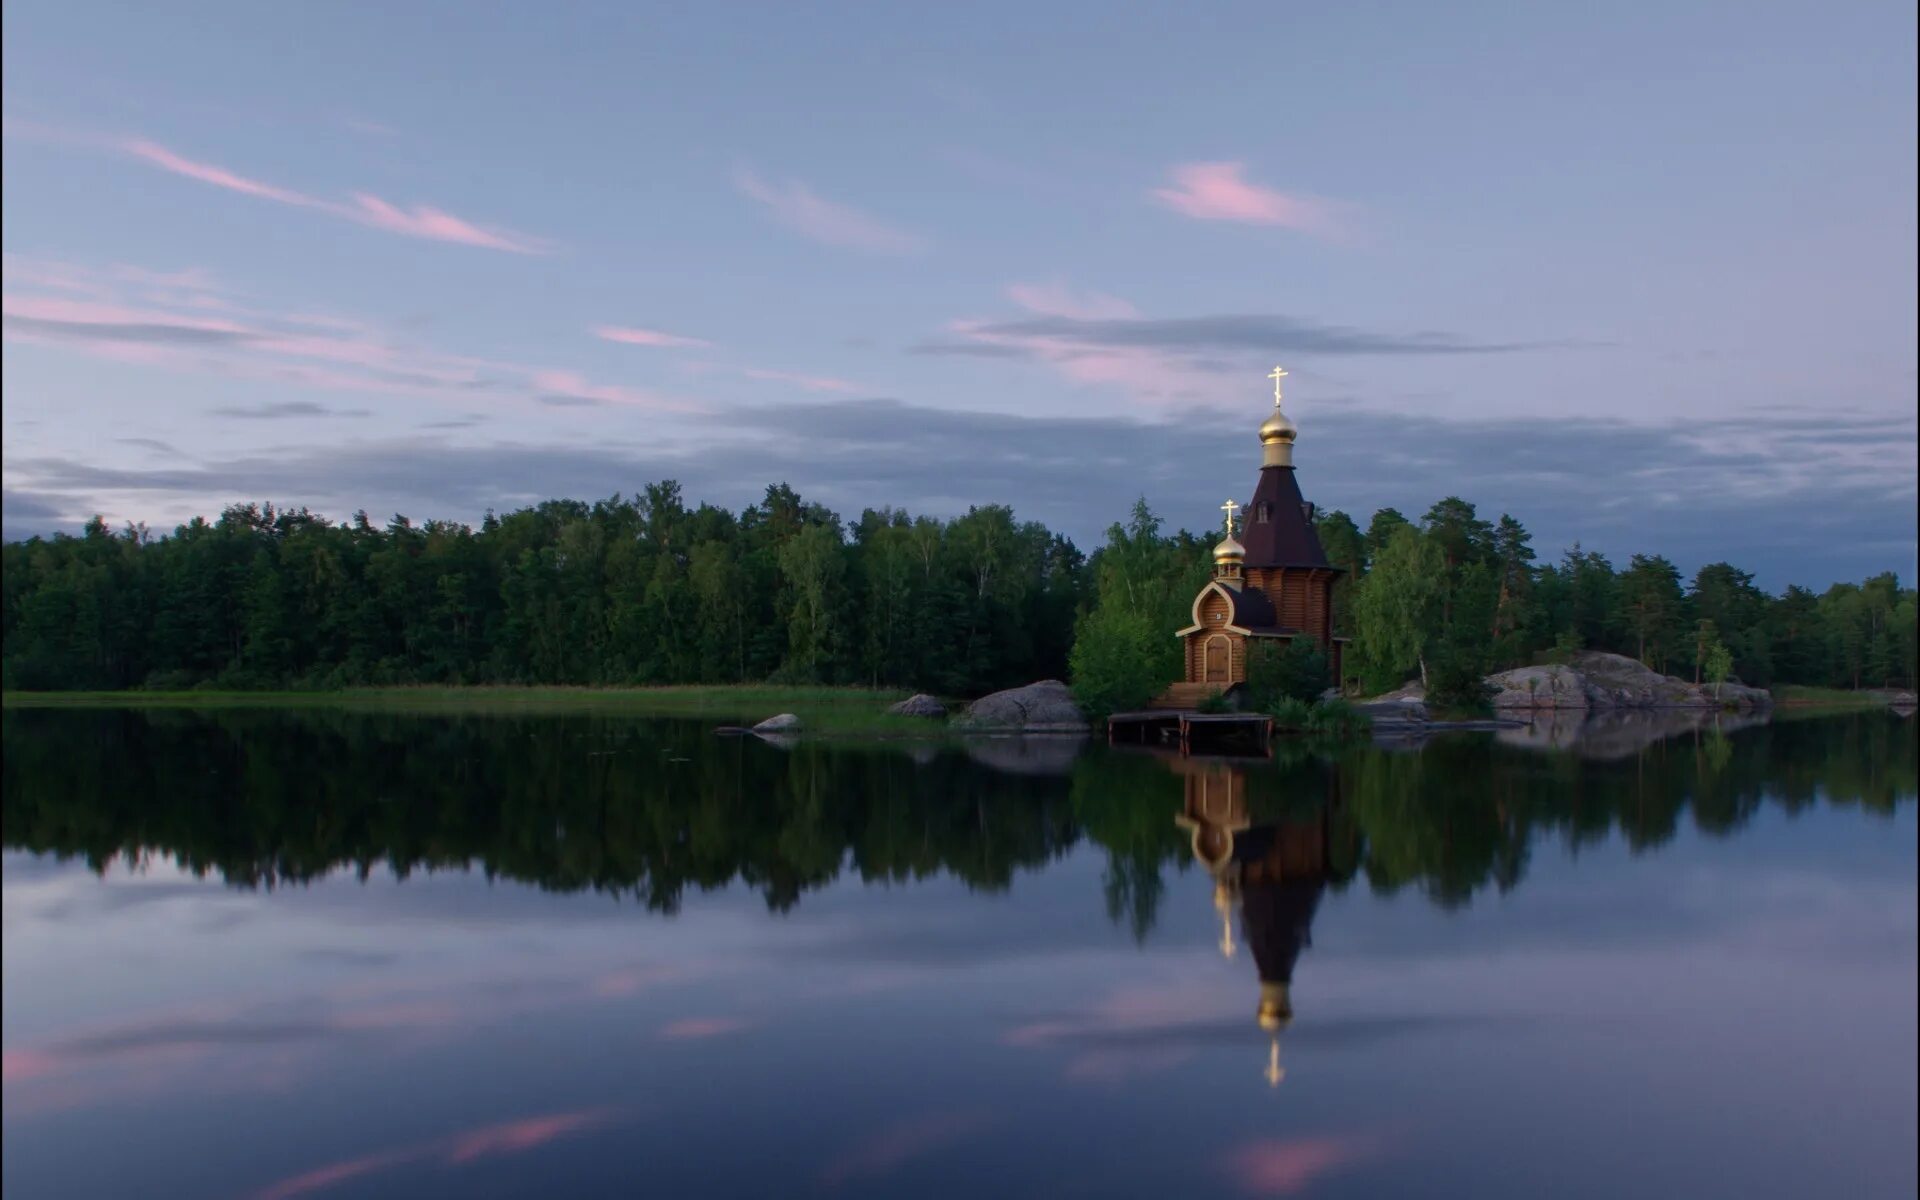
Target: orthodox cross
x: 1277, y: 375
x: 1230, y: 507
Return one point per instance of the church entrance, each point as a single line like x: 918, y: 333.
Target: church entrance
x: 1219, y: 660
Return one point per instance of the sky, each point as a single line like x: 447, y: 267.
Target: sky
x: 1642, y: 275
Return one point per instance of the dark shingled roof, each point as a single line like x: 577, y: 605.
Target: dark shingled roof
x: 1285, y: 538
x: 1251, y: 608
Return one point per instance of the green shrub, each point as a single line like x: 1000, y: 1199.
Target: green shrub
x: 1290, y: 713
x: 1456, y: 680
x: 1296, y: 670
x: 1216, y: 703
x: 1120, y: 661
x: 1337, y: 718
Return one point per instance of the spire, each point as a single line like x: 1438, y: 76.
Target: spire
x: 1228, y: 554
x: 1274, y: 1072
x: 1277, y: 431
x: 1223, y: 904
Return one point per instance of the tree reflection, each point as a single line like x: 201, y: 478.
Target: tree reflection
x: 649, y: 809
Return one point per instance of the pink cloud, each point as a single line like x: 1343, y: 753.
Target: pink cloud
x: 799, y: 208
x: 1118, y: 1066
x: 1218, y: 191
x: 570, y: 387
x: 510, y: 1137
x: 321, y: 1178
x: 1286, y: 1167
x: 421, y: 221
x: 646, y: 337
x: 1144, y: 372
x: 25, y: 1064
x: 174, y: 320
x: 896, y: 1145
x: 634, y: 980
x: 810, y: 383
x: 689, y: 1028
x: 1056, y: 299
x: 219, y: 177
x: 516, y: 1136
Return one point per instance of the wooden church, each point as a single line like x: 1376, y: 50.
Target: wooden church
x: 1271, y: 584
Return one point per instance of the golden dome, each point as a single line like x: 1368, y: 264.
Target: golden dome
x: 1229, y: 549
x: 1277, y: 428
x: 1276, y: 1007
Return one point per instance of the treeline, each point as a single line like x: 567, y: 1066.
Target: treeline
x: 649, y: 591
x: 625, y: 591
x: 1458, y: 596
x: 1453, y: 597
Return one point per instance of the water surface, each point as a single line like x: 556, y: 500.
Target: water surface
x: 277, y: 954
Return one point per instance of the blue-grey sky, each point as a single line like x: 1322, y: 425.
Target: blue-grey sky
x: 1641, y: 274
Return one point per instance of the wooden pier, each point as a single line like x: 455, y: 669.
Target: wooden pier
x: 1191, y: 730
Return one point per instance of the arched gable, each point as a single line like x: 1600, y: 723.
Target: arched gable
x: 1213, y: 588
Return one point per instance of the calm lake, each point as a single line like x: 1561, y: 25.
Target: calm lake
x: 274, y: 954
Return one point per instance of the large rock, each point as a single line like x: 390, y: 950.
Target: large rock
x: 1738, y: 695
x: 921, y: 705
x: 784, y: 723
x: 1401, y: 707
x: 1621, y: 732
x: 1051, y: 755
x: 1594, y: 682
x: 1044, y: 707
x: 1616, y: 681
x: 1539, y: 687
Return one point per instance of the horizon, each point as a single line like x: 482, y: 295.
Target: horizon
x: 1646, y: 285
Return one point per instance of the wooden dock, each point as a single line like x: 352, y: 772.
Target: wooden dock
x: 1188, y: 730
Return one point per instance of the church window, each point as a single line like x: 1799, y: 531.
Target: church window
x: 1266, y: 512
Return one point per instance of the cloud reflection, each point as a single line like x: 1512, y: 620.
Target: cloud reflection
x: 694, y: 1028
x: 509, y: 1137
x: 893, y: 1146
x: 1288, y: 1166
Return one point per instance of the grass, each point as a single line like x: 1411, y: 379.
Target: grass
x: 1798, y: 695
x: 827, y: 710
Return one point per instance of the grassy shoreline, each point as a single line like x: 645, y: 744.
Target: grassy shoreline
x: 1794, y: 695
x: 820, y: 709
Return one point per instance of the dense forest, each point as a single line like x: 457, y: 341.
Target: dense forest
x: 647, y: 590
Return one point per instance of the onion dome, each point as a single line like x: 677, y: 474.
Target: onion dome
x: 1276, y: 1009
x: 1229, y: 549
x: 1278, y: 427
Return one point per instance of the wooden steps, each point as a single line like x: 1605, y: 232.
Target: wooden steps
x: 1187, y: 695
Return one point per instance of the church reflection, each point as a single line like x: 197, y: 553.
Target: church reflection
x: 1274, y: 871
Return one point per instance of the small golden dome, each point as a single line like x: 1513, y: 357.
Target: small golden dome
x: 1278, y: 428
x: 1229, y: 550
x: 1276, y: 1007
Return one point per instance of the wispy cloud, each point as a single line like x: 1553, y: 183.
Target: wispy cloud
x: 570, y: 389
x: 633, y: 336
x: 1055, y: 299
x: 417, y: 221
x: 284, y: 410
x: 1829, y: 497
x: 182, y: 321
x: 1220, y: 191
x: 1094, y: 338
x: 803, y: 210
x: 808, y: 383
